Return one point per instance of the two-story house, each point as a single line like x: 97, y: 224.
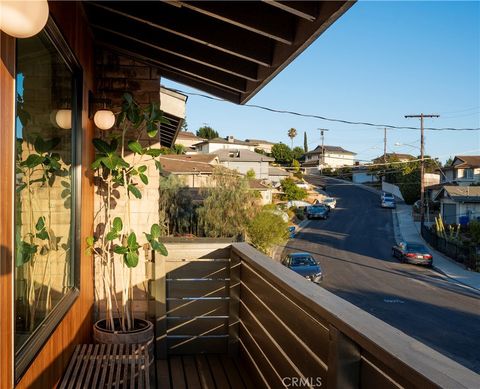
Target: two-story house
x: 188, y: 139
x: 263, y: 145
x: 243, y: 160
x: 212, y: 145
x: 464, y: 170
x: 333, y: 157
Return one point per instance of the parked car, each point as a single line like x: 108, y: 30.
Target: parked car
x: 303, y: 185
x: 388, y: 203
x: 415, y: 253
x: 330, y: 202
x: 298, y: 203
x: 318, y: 211
x: 388, y: 196
x: 305, y: 265
x: 291, y: 231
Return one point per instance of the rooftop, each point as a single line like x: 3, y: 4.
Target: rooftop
x: 466, y: 161
x: 330, y: 149
x: 461, y: 194
x: 258, y: 141
x: 276, y: 171
x: 242, y: 155
x: 177, y: 164
x: 230, y: 140
x: 399, y: 156
x: 189, y: 135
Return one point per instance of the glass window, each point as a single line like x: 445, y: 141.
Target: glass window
x: 45, y: 193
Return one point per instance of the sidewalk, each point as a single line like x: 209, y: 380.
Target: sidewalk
x: 408, y: 230
x: 277, y: 251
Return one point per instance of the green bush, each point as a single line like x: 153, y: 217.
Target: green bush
x: 266, y: 230
x: 474, y: 227
x: 292, y: 191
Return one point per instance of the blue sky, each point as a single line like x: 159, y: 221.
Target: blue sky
x: 377, y: 63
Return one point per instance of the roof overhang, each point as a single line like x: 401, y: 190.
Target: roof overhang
x: 230, y: 49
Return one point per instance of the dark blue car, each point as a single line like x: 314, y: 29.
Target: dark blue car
x: 305, y: 265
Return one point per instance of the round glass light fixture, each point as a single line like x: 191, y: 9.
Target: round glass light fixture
x: 104, y: 119
x: 23, y: 18
x: 63, y: 118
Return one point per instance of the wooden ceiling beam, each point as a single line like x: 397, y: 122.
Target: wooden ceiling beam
x: 198, y: 28
x: 307, y: 10
x: 250, y: 15
x: 175, y: 45
x: 176, y: 63
x: 172, y: 74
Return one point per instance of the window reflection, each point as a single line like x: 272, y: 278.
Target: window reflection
x: 43, y: 184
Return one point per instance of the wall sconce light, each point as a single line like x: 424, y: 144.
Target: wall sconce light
x: 23, y: 18
x: 63, y: 118
x: 104, y: 118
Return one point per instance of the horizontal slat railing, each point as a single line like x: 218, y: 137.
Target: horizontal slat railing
x: 291, y: 330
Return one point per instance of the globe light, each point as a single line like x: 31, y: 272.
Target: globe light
x: 104, y: 119
x: 23, y: 18
x: 63, y: 118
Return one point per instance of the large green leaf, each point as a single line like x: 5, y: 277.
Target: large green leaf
x: 112, y: 235
x: 42, y: 146
x: 159, y: 247
x: 152, y: 129
x: 102, y: 146
x: 132, y: 241
x: 142, y: 169
x: 153, y: 152
x: 131, y: 259
x: 90, y: 240
x: 32, y: 161
x: 42, y: 235
x: 120, y: 250
x: 155, y: 230
x: 134, y: 190
x: 40, y: 223
x: 117, y: 224
x: 135, y: 146
x: 144, y: 179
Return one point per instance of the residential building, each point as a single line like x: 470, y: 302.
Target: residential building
x: 264, y: 191
x: 464, y: 170
x: 188, y: 139
x: 397, y: 157
x: 209, y: 146
x: 459, y: 204
x: 243, y: 160
x: 195, y: 171
x: 335, y: 157
x: 277, y: 174
x: 263, y: 145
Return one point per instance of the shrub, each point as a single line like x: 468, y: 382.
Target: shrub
x: 292, y: 191
x: 474, y: 227
x: 266, y: 230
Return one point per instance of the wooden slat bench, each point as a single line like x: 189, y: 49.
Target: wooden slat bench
x: 102, y: 366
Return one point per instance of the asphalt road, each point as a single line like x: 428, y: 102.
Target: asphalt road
x: 354, y: 249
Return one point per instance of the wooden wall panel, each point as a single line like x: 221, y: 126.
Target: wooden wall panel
x: 49, y: 365
x: 7, y: 98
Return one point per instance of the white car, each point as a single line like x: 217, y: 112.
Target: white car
x: 330, y: 201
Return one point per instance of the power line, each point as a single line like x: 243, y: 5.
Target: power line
x: 326, y: 118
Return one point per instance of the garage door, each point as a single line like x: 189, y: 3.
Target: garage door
x: 449, y: 213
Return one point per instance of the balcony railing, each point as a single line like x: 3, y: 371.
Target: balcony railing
x: 228, y: 298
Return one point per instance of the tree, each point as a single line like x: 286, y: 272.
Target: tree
x: 449, y: 161
x: 292, y: 133
x: 250, y: 174
x: 282, y: 153
x: 178, y: 149
x: 229, y: 205
x: 184, y: 125
x: 207, y: 132
x: 266, y: 230
x: 292, y: 191
x: 296, y: 165
x: 305, y: 143
x: 297, y: 152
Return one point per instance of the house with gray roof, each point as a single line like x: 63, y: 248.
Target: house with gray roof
x: 459, y: 204
x: 209, y: 146
x: 243, y: 160
x: 329, y: 156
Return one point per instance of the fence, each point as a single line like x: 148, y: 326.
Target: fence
x: 463, y: 254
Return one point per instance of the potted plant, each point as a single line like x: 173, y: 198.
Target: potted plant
x: 115, y: 243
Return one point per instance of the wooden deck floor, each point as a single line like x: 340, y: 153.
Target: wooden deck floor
x: 209, y: 371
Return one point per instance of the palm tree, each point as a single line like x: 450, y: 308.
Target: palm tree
x: 292, y: 133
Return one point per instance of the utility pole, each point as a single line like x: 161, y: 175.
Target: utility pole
x: 385, y: 145
x: 422, y: 164
x: 323, y: 148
